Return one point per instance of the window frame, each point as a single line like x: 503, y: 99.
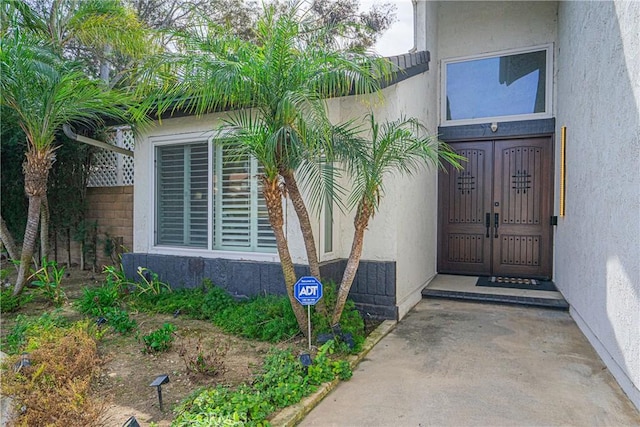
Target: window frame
x: 208, y: 137
x: 548, y: 113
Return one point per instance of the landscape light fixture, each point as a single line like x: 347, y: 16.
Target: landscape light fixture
x: 305, y: 361
x: 24, y: 362
x: 160, y: 379
x: 131, y: 422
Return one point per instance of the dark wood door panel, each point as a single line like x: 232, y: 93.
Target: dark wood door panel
x: 509, y: 184
x: 521, y: 198
x: 464, y: 202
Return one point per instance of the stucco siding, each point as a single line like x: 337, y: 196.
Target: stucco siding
x: 476, y: 28
x: 191, y: 127
x: 471, y: 28
x: 597, y: 255
x: 417, y: 205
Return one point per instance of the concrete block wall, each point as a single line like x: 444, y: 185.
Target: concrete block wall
x: 112, y: 208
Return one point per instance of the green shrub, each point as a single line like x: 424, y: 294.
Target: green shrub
x: 96, y: 301
x: 150, y: 283
x: 265, y: 318
x: 215, y: 301
x: 283, y: 382
x: 48, y: 281
x: 159, y: 340
x: 188, y: 301
x: 27, y: 333
x: 10, y: 303
x: 350, y: 323
x: 119, y: 320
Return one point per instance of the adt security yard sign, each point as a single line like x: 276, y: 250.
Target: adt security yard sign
x: 307, y: 290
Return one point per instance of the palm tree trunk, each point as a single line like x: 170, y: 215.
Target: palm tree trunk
x: 273, y: 198
x: 44, y: 227
x: 30, y: 234
x: 303, y: 219
x: 361, y: 221
x: 305, y: 228
x: 36, y: 172
x: 8, y: 241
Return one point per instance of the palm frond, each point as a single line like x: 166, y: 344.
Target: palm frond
x: 400, y: 146
x: 45, y: 92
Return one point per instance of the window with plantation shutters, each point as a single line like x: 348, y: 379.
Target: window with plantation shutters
x: 181, y: 194
x: 212, y: 204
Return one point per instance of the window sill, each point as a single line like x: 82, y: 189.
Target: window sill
x: 204, y: 253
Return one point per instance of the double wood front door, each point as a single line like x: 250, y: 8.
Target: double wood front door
x: 495, y: 213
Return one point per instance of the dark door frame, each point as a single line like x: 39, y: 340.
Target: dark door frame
x: 504, y: 131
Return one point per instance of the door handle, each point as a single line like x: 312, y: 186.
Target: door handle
x: 487, y: 223
x: 496, y: 224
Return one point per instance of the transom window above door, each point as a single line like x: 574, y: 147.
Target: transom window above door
x: 505, y: 86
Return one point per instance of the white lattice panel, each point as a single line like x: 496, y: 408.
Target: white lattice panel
x: 110, y: 169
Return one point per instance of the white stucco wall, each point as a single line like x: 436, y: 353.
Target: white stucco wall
x: 404, y: 229
x: 597, y: 243
x: 143, y: 214
x: 477, y: 27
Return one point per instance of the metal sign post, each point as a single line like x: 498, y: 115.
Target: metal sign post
x: 308, y: 291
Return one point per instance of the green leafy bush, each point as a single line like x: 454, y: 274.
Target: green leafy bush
x: 215, y: 301
x: 28, y: 332
x: 48, y: 281
x: 96, y: 301
x: 10, y: 303
x: 265, y: 318
x: 159, y: 340
x: 188, y: 301
x: 351, y: 322
x: 283, y: 382
x: 150, y: 283
x: 119, y: 320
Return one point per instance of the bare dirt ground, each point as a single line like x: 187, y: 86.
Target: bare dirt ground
x: 123, y: 386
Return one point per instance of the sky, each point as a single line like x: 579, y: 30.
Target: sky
x: 399, y: 38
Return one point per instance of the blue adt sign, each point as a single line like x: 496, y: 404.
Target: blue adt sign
x: 307, y: 290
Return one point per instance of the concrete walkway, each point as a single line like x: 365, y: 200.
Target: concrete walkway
x: 452, y: 363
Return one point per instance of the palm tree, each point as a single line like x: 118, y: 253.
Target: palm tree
x: 95, y: 32
x: 401, y: 146
x: 46, y: 92
x: 282, y: 79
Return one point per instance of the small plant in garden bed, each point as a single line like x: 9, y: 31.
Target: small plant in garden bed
x: 150, y: 283
x: 27, y: 332
x: 48, y: 281
x: 265, y: 318
x: 96, y: 301
x: 119, y: 320
x: 283, y: 382
x: 200, y: 359
x: 159, y: 340
x: 10, y: 303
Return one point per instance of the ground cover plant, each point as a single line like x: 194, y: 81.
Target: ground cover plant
x: 203, y: 357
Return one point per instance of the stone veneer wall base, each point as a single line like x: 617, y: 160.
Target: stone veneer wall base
x: 373, y: 289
